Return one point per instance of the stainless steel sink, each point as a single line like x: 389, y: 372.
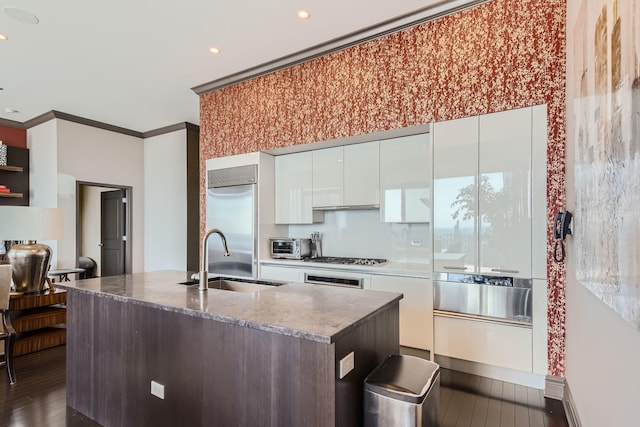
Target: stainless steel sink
x: 236, y: 285
x: 232, y: 285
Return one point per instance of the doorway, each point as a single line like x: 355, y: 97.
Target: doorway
x: 103, y: 227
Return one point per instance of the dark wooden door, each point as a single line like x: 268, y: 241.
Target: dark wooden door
x: 112, y: 232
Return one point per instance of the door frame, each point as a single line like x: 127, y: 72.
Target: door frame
x: 128, y: 192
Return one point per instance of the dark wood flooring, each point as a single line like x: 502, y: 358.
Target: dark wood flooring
x: 38, y: 399
x: 472, y: 401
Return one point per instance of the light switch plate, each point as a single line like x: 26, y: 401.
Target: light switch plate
x: 157, y: 390
x: 347, y: 364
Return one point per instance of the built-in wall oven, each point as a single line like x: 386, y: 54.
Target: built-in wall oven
x: 497, y: 298
x: 348, y: 281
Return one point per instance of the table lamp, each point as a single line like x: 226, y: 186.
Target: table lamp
x: 30, y: 260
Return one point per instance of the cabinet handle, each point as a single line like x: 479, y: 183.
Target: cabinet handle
x: 453, y: 267
x: 504, y: 270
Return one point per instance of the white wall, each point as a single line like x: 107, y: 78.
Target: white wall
x: 602, y: 350
x: 98, y: 156
x: 62, y: 153
x: 165, y: 225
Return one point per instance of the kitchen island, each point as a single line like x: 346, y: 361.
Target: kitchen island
x: 222, y: 358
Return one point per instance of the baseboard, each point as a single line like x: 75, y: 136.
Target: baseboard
x: 570, y: 409
x: 496, y: 372
x: 554, y: 387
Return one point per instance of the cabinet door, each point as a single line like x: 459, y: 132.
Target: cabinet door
x: 539, y: 192
x: 328, y: 177
x: 281, y: 274
x: 416, y: 308
x: 362, y: 174
x: 504, y: 199
x: 293, y: 189
x: 539, y: 327
x: 455, y: 190
x: 479, y: 341
x: 405, y: 179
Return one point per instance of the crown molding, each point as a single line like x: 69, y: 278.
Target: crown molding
x: 53, y: 114
x: 426, y: 14
x: 171, y: 128
x: 11, y: 123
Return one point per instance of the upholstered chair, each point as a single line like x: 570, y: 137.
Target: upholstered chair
x: 7, y: 334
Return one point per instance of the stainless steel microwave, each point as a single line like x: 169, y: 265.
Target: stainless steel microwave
x: 290, y: 248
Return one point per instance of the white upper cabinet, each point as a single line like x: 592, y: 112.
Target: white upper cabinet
x: 504, y: 193
x: 455, y: 176
x: 346, y: 176
x: 490, y: 192
x: 405, y: 179
x: 328, y: 177
x: 362, y: 174
x: 293, y: 192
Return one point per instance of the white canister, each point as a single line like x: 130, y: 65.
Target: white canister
x: 3, y: 154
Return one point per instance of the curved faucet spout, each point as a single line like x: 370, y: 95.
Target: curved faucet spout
x: 204, y: 279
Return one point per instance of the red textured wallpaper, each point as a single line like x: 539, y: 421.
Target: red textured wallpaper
x: 13, y: 136
x: 500, y: 55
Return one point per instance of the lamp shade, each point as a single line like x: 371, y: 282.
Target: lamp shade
x: 29, y: 260
x: 30, y: 223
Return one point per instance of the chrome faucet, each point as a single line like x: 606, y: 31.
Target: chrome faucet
x: 204, y: 279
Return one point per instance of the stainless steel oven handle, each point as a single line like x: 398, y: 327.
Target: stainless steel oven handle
x: 524, y: 323
x: 504, y: 270
x: 348, y: 282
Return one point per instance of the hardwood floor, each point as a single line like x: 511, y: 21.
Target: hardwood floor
x: 470, y: 401
x: 38, y: 399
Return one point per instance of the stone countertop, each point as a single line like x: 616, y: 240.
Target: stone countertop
x: 391, y: 268
x: 312, y: 312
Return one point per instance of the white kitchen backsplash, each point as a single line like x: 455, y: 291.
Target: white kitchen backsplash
x: 359, y: 233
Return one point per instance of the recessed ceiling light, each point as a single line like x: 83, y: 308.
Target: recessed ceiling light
x: 3, y: 37
x: 21, y: 15
x: 214, y: 50
x: 11, y: 110
x: 304, y: 14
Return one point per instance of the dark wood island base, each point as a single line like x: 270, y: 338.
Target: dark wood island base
x: 214, y: 373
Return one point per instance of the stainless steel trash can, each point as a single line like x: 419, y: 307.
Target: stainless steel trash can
x: 403, y: 391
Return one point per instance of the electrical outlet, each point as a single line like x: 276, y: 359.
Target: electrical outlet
x: 347, y: 364
x: 157, y: 390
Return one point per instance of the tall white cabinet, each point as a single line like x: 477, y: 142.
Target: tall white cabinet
x: 488, y: 184
x: 405, y: 179
x: 455, y: 177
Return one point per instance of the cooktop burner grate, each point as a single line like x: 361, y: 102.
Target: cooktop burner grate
x: 348, y: 261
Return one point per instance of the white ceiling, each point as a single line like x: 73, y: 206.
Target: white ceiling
x: 133, y: 63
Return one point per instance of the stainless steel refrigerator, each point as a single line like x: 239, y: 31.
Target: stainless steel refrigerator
x: 231, y: 207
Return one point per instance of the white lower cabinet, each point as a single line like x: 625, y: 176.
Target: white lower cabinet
x: 416, y: 308
x: 491, y: 343
x: 539, y: 328
x: 280, y: 274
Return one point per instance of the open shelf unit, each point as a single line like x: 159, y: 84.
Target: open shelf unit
x: 15, y: 176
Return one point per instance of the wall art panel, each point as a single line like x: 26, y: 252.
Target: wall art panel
x: 607, y: 170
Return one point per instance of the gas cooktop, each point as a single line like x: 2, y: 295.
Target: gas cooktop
x: 347, y: 261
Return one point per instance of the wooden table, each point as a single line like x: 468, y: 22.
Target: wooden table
x: 38, y: 319
x: 63, y: 273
